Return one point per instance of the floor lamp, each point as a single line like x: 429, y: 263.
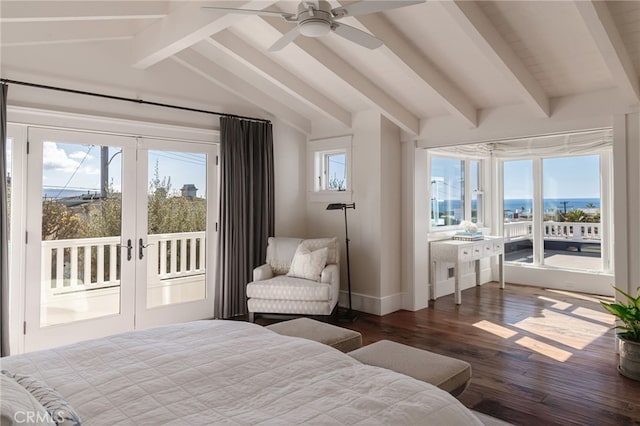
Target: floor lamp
x: 350, y: 316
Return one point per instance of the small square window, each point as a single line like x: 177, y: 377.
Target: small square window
x: 333, y: 173
x: 330, y: 169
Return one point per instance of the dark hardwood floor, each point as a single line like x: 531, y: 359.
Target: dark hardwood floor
x: 539, y: 357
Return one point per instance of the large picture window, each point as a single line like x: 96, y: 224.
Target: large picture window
x: 570, y: 233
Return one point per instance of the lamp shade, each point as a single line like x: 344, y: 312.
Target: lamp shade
x: 336, y: 206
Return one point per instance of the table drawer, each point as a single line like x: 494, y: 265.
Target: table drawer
x: 465, y: 253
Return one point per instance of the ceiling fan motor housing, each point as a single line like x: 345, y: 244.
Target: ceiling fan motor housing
x: 314, y: 20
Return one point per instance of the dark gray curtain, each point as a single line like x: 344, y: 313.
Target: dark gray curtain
x: 246, y: 209
x: 4, y: 228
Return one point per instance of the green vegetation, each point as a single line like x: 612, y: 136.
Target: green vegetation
x: 628, y: 314
x: 579, y: 216
x: 167, y: 213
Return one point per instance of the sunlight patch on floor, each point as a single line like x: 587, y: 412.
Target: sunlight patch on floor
x: 582, y: 296
x: 562, y: 328
x: 544, y: 349
x: 599, y: 316
x: 496, y: 329
x: 557, y: 304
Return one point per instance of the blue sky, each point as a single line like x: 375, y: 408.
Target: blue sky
x: 566, y: 177
x: 77, y: 167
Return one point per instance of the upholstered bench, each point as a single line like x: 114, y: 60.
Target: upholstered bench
x: 340, y: 338
x: 450, y: 374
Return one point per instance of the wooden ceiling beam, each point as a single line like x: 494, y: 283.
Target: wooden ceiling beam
x: 602, y: 27
x: 260, y: 63
x: 401, y: 51
x: 229, y: 81
x: 185, y: 26
x: 468, y: 16
x: 372, y: 94
x: 49, y: 11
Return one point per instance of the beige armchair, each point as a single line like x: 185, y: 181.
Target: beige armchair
x: 299, y: 277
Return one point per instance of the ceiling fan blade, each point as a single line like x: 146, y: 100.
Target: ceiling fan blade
x: 285, y: 39
x: 284, y: 15
x: 366, y: 7
x: 357, y: 36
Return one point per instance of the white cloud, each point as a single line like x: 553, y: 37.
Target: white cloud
x: 55, y: 158
x: 79, y: 155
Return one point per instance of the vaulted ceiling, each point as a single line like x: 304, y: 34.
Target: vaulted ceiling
x: 440, y: 58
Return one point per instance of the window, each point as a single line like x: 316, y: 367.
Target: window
x: 330, y: 169
x: 566, y: 212
x: 333, y: 175
x: 518, y: 210
x: 447, y: 191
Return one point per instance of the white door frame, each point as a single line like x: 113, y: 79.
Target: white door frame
x: 22, y: 118
x: 180, y: 312
x: 37, y: 337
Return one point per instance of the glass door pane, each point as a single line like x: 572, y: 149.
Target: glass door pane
x: 176, y: 227
x: 572, y: 230
x: 81, y: 231
x: 83, y: 286
x: 518, y: 210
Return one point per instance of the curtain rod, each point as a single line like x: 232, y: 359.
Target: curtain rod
x: 137, y: 101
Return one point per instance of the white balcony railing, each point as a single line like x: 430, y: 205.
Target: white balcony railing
x: 92, y: 263
x: 573, y: 231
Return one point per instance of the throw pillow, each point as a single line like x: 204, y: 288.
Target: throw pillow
x: 18, y: 406
x: 333, y: 255
x: 60, y: 411
x: 308, y: 264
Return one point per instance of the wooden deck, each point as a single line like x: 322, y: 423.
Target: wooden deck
x: 539, y: 357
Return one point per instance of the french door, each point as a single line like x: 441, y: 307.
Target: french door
x: 117, y: 234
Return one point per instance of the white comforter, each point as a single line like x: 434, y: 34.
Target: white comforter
x: 228, y: 372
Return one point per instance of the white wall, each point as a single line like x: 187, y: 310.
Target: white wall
x: 289, y: 151
x: 374, y: 225
x: 626, y: 201
x: 391, y: 214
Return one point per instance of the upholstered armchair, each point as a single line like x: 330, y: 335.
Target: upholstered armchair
x: 299, y: 277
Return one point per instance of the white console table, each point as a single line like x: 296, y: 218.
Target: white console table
x: 459, y: 252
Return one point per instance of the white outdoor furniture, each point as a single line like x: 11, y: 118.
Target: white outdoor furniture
x: 273, y: 291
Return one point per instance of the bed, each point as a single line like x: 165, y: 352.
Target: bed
x: 230, y: 372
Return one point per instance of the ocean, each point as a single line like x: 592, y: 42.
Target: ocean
x: 553, y: 203
x: 65, y: 193
x: 527, y: 204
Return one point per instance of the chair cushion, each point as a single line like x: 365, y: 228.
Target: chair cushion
x: 282, y: 287
x: 280, y: 252
x: 308, y: 264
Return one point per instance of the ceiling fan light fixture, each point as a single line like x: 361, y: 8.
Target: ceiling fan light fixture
x: 314, y: 27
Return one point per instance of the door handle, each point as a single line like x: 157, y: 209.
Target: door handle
x: 141, y: 246
x: 129, y: 247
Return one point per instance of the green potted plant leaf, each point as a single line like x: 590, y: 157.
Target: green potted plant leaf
x: 629, y: 334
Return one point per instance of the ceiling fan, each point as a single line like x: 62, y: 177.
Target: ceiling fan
x: 317, y: 18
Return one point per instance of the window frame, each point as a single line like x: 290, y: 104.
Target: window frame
x: 483, y: 184
x: 318, y: 152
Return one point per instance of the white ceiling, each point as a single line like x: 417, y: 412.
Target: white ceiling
x: 447, y: 58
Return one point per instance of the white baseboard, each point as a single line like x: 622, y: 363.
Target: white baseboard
x: 370, y: 304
